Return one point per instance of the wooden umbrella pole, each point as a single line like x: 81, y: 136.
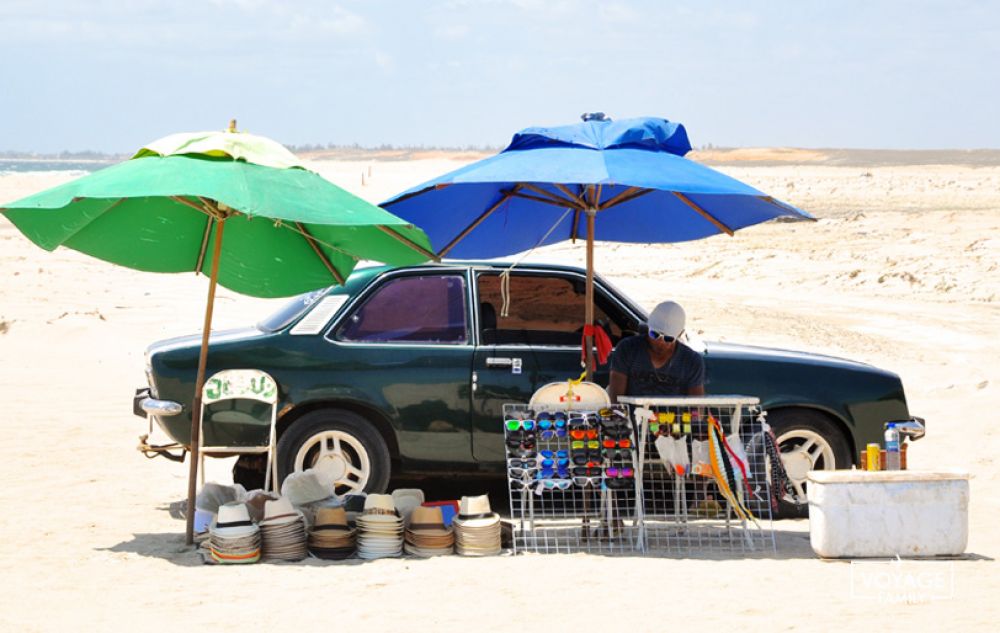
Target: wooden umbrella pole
x: 589, y: 337
x: 199, y: 383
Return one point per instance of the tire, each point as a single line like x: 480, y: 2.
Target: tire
x: 825, y: 443
x: 350, y: 440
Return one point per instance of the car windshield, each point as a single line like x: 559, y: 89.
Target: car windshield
x: 292, y: 310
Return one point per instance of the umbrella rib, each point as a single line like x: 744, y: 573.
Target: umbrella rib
x: 558, y: 203
x: 204, y: 243
x: 188, y: 203
x: 319, y: 253
x: 405, y: 240
x: 708, y: 216
x: 626, y: 196
x: 561, y: 201
x: 458, y: 238
x: 575, y: 227
x: 569, y: 194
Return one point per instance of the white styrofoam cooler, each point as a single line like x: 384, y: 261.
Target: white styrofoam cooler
x: 907, y: 513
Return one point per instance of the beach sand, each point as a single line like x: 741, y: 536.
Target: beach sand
x: 900, y: 271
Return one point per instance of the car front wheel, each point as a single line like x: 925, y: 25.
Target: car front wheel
x: 808, y: 440
x: 342, y: 445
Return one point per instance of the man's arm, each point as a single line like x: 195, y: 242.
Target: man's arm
x: 696, y: 390
x: 617, y: 386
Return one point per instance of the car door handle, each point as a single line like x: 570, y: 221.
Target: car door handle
x: 495, y: 361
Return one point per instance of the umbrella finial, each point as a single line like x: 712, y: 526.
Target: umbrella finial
x: 232, y: 125
x: 594, y: 116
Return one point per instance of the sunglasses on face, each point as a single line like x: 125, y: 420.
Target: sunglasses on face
x: 666, y: 338
x: 580, y: 444
x: 580, y: 434
x: 520, y: 425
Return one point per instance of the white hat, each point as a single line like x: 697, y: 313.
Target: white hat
x: 475, y: 512
x: 280, y: 512
x: 233, y: 521
x: 667, y: 318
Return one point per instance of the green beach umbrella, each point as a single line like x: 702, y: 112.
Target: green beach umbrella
x: 287, y: 229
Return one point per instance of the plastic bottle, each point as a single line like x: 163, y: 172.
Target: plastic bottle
x: 892, y: 461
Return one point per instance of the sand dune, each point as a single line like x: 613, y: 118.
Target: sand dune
x: 900, y: 270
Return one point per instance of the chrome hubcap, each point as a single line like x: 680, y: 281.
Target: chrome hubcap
x: 340, y: 457
x: 801, y: 451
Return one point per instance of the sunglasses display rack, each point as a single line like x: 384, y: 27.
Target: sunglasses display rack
x: 572, y: 479
x: 703, y: 474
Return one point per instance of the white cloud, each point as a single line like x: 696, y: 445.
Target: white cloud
x: 451, y: 31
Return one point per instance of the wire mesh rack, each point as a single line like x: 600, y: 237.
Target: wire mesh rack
x: 571, y: 477
x: 616, y: 480
x: 702, y: 471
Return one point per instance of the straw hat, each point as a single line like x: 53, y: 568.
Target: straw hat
x: 332, y: 538
x: 406, y: 499
x: 379, y: 508
x: 233, y: 521
x: 428, y: 522
x: 279, y: 512
x: 234, y: 539
x: 475, y: 512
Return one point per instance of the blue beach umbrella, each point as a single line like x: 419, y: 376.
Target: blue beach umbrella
x: 621, y: 181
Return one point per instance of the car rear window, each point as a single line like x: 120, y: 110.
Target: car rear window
x: 290, y: 311
x: 411, y: 309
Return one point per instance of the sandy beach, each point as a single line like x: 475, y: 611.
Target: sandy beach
x: 902, y: 270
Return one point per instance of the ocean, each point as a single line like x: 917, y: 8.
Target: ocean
x: 22, y: 165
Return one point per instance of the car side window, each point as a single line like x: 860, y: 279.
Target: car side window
x: 411, y: 309
x: 543, y: 310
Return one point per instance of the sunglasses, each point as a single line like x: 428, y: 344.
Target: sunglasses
x: 551, y: 428
x: 524, y: 445
x: 521, y: 472
x: 549, y: 463
x: 619, y: 484
x: 579, y: 434
x: 553, y: 454
x: 666, y: 338
x: 550, y: 473
x: 555, y: 484
x: 590, y: 470
x: 615, y: 456
x: 662, y: 422
x: 614, y: 472
x: 523, y: 463
x: 583, y: 482
x: 579, y: 444
x: 617, y: 443
x: 586, y: 458
x: 520, y: 425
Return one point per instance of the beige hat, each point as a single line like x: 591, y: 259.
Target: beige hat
x: 233, y: 521
x: 279, y: 512
x: 331, y: 517
x: 428, y: 522
x: 379, y: 508
x: 475, y: 512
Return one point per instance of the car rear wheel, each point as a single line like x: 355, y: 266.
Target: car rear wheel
x: 341, y: 444
x: 808, y: 440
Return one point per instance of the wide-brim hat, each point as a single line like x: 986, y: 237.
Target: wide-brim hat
x: 428, y: 522
x: 406, y: 500
x: 475, y: 511
x: 280, y: 512
x: 233, y: 521
x: 330, y: 517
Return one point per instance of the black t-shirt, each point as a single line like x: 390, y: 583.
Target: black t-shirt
x: 684, y: 370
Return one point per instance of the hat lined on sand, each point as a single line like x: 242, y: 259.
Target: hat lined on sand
x: 380, y: 529
x: 667, y: 318
x: 331, y: 537
x: 427, y: 534
x: 477, y: 528
x: 283, y: 531
x: 234, y: 539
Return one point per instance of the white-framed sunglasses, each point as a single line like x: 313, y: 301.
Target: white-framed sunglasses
x: 666, y: 338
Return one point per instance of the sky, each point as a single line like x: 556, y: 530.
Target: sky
x: 112, y: 75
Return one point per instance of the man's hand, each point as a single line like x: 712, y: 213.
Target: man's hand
x: 618, y: 385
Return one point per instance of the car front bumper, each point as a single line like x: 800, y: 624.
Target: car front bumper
x: 143, y: 404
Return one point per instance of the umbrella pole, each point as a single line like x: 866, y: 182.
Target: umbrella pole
x: 199, y: 384
x: 589, y: 337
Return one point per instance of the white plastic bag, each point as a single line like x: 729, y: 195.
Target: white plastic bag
x: 702, y: 465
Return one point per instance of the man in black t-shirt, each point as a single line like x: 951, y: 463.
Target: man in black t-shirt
x: 657, y: 364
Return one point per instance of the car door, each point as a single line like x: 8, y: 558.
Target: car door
x: 408, y: 343
x: 535, y: 342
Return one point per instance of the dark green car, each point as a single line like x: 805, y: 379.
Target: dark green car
x: 404, y: 371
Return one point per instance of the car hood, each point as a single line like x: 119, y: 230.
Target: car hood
x: 749, y: 352
x: 194, y: 340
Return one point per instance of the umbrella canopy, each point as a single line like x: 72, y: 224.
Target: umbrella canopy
x: 625, y: 181
x: 631, y: 172
x: 289, y: 229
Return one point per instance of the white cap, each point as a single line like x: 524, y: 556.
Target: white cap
x: 667, y: 318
